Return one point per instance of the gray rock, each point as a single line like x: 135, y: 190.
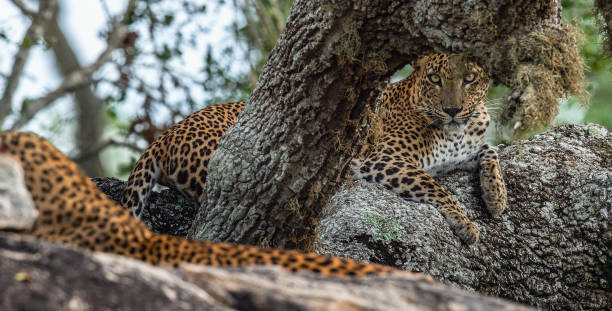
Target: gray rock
x: 170, y: 213
x: 17, y: 211
x: 550, y: 248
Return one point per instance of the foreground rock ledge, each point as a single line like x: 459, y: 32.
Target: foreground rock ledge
x: 550, y: 248
x: 44, y: 276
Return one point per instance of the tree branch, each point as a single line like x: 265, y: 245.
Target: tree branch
x: 75, y: 80
x: 276, y: 167
x: 23, y: 8
x: 46, y: 11
x: 103, y: 145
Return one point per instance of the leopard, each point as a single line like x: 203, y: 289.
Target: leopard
x: 433, y: 122
x: 179, y: 157
x: 436, y: 122
x: 72, y: 210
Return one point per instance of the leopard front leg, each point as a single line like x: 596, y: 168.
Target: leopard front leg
x: 412, y: 183
x: 491, y: 181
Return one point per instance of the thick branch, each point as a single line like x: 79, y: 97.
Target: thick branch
x: 37, y: 278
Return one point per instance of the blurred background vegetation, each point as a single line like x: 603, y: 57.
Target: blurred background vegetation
x: 172, y: 62
x: 599, y: 68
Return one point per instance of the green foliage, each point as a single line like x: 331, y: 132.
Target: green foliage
x: 124, y: 168
x: 599, y: 73
x: 257, y: 30
x: 27, y: 42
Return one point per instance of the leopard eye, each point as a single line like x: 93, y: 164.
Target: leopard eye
x: 469, y: 78
x: 434, y: 78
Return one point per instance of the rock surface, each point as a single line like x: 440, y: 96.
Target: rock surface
x: 44, y: 276
x: 17, y: 211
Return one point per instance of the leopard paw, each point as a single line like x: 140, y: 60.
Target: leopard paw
x: 493, y: 192
x: 462, y: 226
x: 469, y: 233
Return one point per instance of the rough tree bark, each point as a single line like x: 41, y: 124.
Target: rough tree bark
x: 278, y: 165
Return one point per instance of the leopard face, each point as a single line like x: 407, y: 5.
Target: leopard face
x: 436, y: 123
x: 449, y: 89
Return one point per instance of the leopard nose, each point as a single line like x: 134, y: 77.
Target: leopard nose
x: 452, y: 111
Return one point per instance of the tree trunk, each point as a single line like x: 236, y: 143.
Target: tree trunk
x: 88, y: 106
x: 277, y: 166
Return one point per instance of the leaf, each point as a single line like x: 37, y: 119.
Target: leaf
x: 27, y: 42
x: 22, y: 277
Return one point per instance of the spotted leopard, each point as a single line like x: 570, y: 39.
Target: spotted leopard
x: 72, y: 210
x: 179, y: 157
x: 435, y: 121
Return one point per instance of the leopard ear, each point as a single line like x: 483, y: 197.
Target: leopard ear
x: 419, y: 63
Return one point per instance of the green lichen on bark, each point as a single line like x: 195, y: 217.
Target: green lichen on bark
x: 484, y: 19
x: 349, y: 47
x: 384, y: 228
x: 375, y: 62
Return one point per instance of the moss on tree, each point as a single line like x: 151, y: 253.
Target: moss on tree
x: 548, y: 66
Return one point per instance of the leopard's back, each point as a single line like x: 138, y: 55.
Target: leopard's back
x: 179, y: 157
